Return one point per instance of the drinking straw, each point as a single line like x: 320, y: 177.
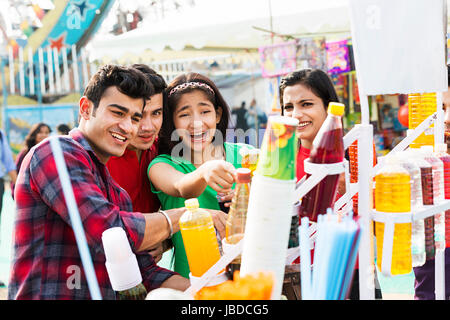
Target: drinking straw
x: 320, y: 258
x: 305, y: 260
x: 338, y: 257
x: 346, y: 230
x: 350, y: 267
x: 74, y: 215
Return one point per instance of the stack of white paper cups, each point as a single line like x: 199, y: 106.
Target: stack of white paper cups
x: 121, y: 263
x: 271, y: 203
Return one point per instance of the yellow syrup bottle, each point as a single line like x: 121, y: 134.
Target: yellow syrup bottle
x: 393, y: 194
x: 199, y: 238
x: 237, y: 216
x: 420, y: 107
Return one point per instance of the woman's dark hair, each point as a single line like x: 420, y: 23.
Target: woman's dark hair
x: 30, y: 139
x: 168, y: 126
x: 314, y: 79
x: 128, y: 80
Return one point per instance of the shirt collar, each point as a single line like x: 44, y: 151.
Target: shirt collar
x: 78, y: 136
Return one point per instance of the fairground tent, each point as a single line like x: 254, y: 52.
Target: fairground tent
x: 225, y: 25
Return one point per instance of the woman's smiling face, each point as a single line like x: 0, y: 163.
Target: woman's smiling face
x: 195, y: 118
x: 301, y: 103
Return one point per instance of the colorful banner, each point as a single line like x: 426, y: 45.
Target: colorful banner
x: 278, y: 59
x: 338, y: 60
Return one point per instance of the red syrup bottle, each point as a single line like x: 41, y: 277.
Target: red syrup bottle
x: 328, y: 147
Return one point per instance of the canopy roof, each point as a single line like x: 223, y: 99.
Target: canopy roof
x: 231, y: 24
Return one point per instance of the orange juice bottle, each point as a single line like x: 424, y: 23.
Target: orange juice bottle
x: 199, y: 238
x: 237, y: 217
x: 393, y: 194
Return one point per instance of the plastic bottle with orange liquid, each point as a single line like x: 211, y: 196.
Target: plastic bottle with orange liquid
x: 237, y: 216
x: 420, y: 107
x: 199, y: 238
x: 418, y: 226
x: 393, y: 194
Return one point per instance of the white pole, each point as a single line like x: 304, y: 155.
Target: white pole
x: 84, y: 67
x: 439, y: 123
x: 365, y: 160
x: 21, y: 72
x: 76, y: 73
x: 12, y: 84
x: 439, y: 267
x: 57, y: 70
x: 65, y: 70
x: 50, y: 71
x: 31, y: 70
x: 41, y: 70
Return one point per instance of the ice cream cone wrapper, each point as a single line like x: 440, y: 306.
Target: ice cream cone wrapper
x: 277, y: 158
x: 267, y: 228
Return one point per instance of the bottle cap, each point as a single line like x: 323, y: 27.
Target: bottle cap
x: 441, y: 147
x: 121, y: 263
x: 244, y: 175
x: 336, y: 108
x: 191, y: 203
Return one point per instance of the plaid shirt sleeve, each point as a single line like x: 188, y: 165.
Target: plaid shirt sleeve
x: 96, y: 212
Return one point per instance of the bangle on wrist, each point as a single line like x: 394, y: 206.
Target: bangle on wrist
x: 168, y: 221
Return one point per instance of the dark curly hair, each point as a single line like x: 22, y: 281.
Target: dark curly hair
x: 128, y: 80
x: 168, y: 126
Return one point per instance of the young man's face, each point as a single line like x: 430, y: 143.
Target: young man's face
x: 110, y: 128
x: 150, y: 123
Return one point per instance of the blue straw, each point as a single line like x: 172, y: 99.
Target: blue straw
x: 351, y: 265
x: 305, y: 260
x: 347, y: 230
x: 321, y: 257
x: 74, y: 215
x: 337, y: 259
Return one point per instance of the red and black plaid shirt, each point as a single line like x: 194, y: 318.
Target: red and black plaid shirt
x: 46, y: 261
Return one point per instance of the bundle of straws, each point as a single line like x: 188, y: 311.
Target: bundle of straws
x: 335, y: 255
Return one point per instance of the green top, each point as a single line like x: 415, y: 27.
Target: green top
x: 207, y: 200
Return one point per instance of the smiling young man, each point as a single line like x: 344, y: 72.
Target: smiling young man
x: 130, y: 169
x: 46, y: 262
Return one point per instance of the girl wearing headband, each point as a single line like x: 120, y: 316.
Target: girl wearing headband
x: 195, y: 160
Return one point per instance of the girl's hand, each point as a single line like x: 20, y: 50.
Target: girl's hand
x: 219, y: 175
x: 226, y: 198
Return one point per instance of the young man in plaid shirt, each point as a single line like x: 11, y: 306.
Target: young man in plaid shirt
x: 46, y: 261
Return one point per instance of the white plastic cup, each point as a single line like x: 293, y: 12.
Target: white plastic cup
x: 121, y: 263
